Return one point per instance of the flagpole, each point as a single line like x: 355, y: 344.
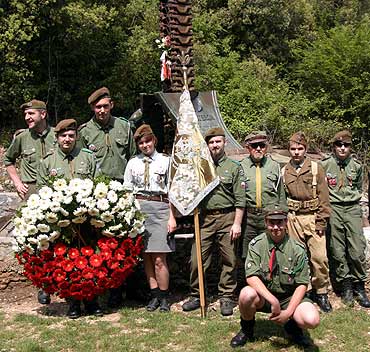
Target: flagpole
x: 198, y: 244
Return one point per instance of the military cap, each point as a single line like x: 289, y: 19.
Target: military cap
x: 143, y: 131
x: 276, y: 214
x: 343, y: 136
x: 255, y: 137
x: 213, y: 132
x: 101, y: 93
x: 299, y: 138
x: 66, y: 125
x: 34, y: 104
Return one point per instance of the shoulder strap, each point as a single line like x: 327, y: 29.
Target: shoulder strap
x: 314, y: 169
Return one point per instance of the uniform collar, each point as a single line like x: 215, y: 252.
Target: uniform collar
x: 71, y: 155
x: 261, y: 163
x: 154, y: 156
x: 280, y: 246
x: 99, y: 126
x: 42, y: 134
x: 221, y: 160
x: 342, y: 163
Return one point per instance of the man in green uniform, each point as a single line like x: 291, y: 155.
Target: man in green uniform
x: 108, y: 137
x: 30, y: 146
x: 309, y: 211
x: 67, y: 161
x: 263, y: 186
x: 221, y: 214
x: 277, y: 274
x: 346, y: 239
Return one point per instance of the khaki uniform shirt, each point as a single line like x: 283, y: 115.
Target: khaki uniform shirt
x: 291, y: 265
x: 80, y: 163
x: 344, y: 179
x: 298, y: 186
x: 231, y: 190
x: 113, y: 145
x: 273, y: 193
x: 31, y: 148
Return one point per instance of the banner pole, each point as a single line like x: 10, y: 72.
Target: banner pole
x: 198, y: 244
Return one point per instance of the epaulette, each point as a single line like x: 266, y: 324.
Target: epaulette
x: 123, y: 119
x: 17, y: 132
x: 82, y: 126
x: 87, y: 150
x: 236, y: 162
x: 255, y: 240
x: 356, y: 160
x: 50, y: 152
x: 301, y: 245
x: 326, y: 157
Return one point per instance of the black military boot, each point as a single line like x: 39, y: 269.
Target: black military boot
x: 115, y: 299
x: 154, y: 303
x: 360, y: 294
x: 74, y: 310
x: 323, y: 302
x: 164, y: 302
x: 93, y: 308
x: 347, y: 293
x: 245, y: 334
x: 296, y: 334
x: 43, y: 297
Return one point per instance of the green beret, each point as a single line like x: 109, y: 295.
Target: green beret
x: 343, y: 136
x: 213, y: 132
x: 34, y: 104
x: 101, y: 93
x: 276, y: 214
x: 255, y: 137
x: 143, y: 131
x: 299, y: 138
x: 66, y: 125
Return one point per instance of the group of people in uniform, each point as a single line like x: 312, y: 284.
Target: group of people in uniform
x: 283, y: 220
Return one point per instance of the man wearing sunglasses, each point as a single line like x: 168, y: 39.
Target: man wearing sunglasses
x: 309, y: 211
x: 346, y: 239
x: 264, y: 187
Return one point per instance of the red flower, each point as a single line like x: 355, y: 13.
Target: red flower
x: 75, y: 276
x: 126, y: 244
x: 35, y: 260
x: 101, y: 272
x: 49, y: 266
x: 113, y: 264
x: 87, y: 251
x: 73, y: 253
x: 112, y: 243
x: 96, y: 260
x: 119, y: 254
x: 81, y: 262
x: 63, y: 285
x: 68, y: 265
x: 129, y: 261
x: 106, y: 254
x: 75, y: 287
x: 58, y: 261
x: 46, y: 255
x: 103, y: 282
x: 88, y: 273
x: 102, y: 243
x: 76, y: 295
x: 60, y: 249
x: 59, y: 275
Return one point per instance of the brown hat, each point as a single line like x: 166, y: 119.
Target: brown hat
x: 343, y: 136
x: 276, y: 214
x: 66, y: 125
x: 213, y: 132
x: 255, y: 137
x: 101, y: 93
x: 143, y: 131
x: 299, y: 138
x: 34, y: 104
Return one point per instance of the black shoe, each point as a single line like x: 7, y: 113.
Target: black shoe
x: 245, y: 334
x: 296, y: 334
x: 115, y: 299
x: 323, y: 302
x: 226, y: 306
x: 74, y: 310
x: 240, y: 339
x: 360, y: 294
x: 191, y: 304
x: 43, y: 297
x: 164, y: 305
x: 93, y: 308
x: 347, y: 293
x: 153, y: 304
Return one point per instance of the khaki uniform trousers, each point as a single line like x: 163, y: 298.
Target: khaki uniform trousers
x: 302, y: 228
x: 215, y: 229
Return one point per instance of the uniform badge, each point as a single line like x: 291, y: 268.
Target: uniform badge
x: 92, y: 147
x: 53, y: 172
x: 350, y: 180
x: 249, y: 265
x: 332, y: 180
x: 243, y: 185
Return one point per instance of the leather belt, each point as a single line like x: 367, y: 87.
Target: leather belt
x: 254, y: 210
x: 155, y: 198
x: 217, y: 211
x: 297, y: 205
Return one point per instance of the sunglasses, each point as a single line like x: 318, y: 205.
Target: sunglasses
x: 258, y: 144
x: 341, y: 144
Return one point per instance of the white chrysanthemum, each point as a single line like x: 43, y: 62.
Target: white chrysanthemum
x: 51, y: 218
x: 123, y: 203
x: 31, y: 230
x: 86, y: 187
x: 63, y: 223
x: 55, y: 207
x: 93, y: 212
x: 21, y: 239
x: 54, y: 235
x: 115, y: 209
x: 33, y: 240
x: 116, y: 186
x: 129, y: 215
x: 90, y: 202
x: 45, y: 192
x: 97, y: 223
x: 43, y: 228
x: 68, y: 199
x: 44, y: 204
x: 115, y: 227
x: 39, y: 214
x: 139, y: 226
x: 43, y: 242
x: 80, y: 211
x: 58, y: 197
x: 75, y: 185
x: 102, y: 204
x: 60, y: 184
x: 18, y: 222
x: 107, y: 217
x: 107, y: 233
x: 33, y: 201
x: 112, y: 196
x: 101, y: 190
x: 29, y: 249
x: 122, y: 234
x: 79, y: 219
x: 26, y: 212
x: 63, y: 212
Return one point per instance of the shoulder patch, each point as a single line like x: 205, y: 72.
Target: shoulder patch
x: 87, y: 150
x: 356, y: 161
x: 255, y: 240
x: 235, y: 162
x: 82, y: 126
x: 50, y: 152
x: 123, y: 119
x: 326, y: 157
x: 17, y: 132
